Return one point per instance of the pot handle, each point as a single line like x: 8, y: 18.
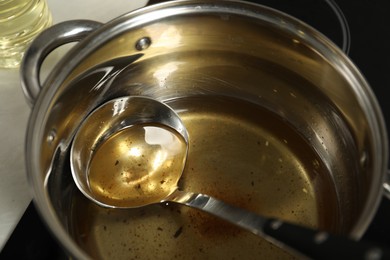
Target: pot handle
x: 43, y: 45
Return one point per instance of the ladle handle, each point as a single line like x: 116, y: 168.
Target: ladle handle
x: 45, y: 43
x: 386, y: 185
x: 296, y: 239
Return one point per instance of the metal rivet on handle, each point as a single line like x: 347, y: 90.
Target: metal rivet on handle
x: 51, y: 136
x: 143, y: 43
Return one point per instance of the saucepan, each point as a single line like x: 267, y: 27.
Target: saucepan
x: 280, y: 122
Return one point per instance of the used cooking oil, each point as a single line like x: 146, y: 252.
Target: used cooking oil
x: 20, y: 22
x: 138, y: 165
x: 239, y: 152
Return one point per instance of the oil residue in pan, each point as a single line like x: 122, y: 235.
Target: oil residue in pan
x: 239, y: 152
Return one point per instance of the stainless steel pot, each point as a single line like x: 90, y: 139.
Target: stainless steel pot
x: 263, y: 96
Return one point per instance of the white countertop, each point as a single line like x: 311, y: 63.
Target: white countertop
x: 15, y: 194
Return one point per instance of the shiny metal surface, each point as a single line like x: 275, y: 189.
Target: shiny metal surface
x: 386, y: 185
x: 229, y: 48
x: 109, y: 119
x: 50, y: 39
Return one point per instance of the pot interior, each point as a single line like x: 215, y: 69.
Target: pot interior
x: 274, y: 127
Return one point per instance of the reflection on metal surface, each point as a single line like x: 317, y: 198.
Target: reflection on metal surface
x: 162, y: 73
x: 346, y: 34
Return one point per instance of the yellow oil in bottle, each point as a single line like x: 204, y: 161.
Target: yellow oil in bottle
x: 20, y: 22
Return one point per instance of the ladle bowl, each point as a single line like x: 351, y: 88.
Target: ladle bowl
x: 113, y: 117
x: 140, y: 146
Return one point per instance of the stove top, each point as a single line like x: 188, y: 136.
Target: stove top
x: 357, y: 26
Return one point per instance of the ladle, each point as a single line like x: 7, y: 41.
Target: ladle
x: 131, y: 152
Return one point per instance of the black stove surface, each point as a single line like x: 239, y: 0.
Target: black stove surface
x: 368, y: 24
